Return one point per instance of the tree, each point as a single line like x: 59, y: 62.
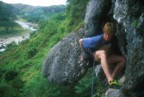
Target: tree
x: 75, y: 12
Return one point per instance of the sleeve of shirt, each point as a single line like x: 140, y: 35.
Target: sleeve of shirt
x: 92, y: 41
x: 87, y: 42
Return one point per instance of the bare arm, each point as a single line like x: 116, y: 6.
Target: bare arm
x: 80, y: 43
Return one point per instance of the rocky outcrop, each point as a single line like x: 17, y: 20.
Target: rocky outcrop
x: 114, y: 93
x: 129, y: 18
x: 62, y: 64
x: 95, y: 13
x: 131, y: 37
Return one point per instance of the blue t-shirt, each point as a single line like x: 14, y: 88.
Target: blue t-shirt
x: 94, y: 43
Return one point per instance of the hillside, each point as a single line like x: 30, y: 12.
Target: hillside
x: 37, y: 13
x: 7, y: 12
x: 20, y: 66
x: 7, y: 17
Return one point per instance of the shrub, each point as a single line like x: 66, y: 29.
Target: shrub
x: 10, y: 75
x: 32, y: 52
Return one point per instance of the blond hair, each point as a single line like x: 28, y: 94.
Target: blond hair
x: 109, y: 28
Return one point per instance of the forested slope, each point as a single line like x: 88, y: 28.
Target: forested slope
x: 7, y: 17
x: 37, y: 13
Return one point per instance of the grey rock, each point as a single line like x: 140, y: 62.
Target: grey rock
x: 129, y: 18
x: 95, y: 12
x: 63, y: 64
x: 122, y: 79
x: 99, y: 73
x: 113, y: 93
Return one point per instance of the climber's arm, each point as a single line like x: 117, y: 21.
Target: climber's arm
x: 80, y: 43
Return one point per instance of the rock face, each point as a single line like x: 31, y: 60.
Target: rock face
x: 95, y: 12
x: 113, y: 93
x: 62, y: 64
x: 129, y: 18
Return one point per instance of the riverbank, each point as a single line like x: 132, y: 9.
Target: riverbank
x: 17, y: 38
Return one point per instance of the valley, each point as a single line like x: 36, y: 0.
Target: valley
x: 17, y: 38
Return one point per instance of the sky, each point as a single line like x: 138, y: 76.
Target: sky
x: 37, y: 2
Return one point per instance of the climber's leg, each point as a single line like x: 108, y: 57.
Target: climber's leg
x: 119, y: 61
x: 101, y: 54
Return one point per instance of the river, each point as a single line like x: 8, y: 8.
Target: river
x: 18, y: 38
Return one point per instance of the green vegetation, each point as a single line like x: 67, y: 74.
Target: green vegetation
x: 11, y: 31
x: 7, y: 17
x: 9, y: 13
x: 6, y: 12
x: 75, y: 14
x: 37, y: 13
x: 20, y: 66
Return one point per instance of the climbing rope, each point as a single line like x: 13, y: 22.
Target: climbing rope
x: 92, y: 81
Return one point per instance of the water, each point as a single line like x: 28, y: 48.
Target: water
x: 27, y: 25
x: 18, y: 38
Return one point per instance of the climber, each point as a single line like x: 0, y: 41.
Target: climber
x: 98, y: 47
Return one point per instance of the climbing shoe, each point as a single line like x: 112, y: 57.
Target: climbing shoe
x: 115, y: 84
